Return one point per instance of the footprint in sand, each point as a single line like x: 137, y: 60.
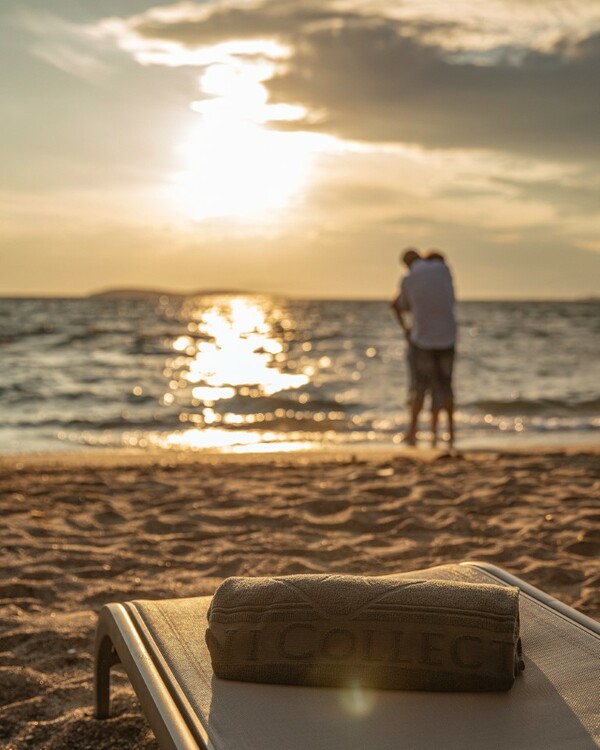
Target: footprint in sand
x: 585, y: 548
x: 19, y: 683
x: 326, y: 507
x: 109, y: 518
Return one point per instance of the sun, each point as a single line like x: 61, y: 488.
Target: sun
x: 233, y: 164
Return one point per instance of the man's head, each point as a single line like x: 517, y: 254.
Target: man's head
x: 409, y: 256
x: 435, y: 254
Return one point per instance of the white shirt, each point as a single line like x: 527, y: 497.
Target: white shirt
x: 427, y: 292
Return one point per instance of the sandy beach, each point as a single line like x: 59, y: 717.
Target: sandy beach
x: 86, y: 529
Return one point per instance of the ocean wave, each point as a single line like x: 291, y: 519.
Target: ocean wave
x: 115, y: 423
x: 106, y: 368
x: 540, y: 406
x: 261, y: 404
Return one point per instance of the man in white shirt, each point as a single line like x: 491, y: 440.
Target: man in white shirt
x: 427, y: 293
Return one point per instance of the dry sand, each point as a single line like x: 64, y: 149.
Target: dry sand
x: 80, y: 531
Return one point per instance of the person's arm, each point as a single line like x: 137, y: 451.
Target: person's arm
x: 400, y: 307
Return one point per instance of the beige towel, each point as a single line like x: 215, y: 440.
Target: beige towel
x: 392, y: 633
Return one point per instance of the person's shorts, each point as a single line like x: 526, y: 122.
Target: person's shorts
x: 430, y: 371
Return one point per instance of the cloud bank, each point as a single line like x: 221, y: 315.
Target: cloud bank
x: 432, y: 81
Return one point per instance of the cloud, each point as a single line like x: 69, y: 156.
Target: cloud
x: 378, y: 85
x: 436, y: 81
x: 208, y: 25
x: 570, y: 197
x: 73, y: 48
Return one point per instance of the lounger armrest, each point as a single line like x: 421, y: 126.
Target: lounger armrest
x: 118, y: 642
x: 537, y: 594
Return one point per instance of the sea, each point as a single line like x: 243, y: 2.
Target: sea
x: 240, y: 373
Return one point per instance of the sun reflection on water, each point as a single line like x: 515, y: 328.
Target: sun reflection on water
x: 238, y: 349
x: 250, y: 441
x: 231, y: 352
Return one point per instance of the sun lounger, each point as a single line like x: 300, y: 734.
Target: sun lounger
x: 554, y: 704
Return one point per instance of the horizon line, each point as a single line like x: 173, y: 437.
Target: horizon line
x: 140, y: 292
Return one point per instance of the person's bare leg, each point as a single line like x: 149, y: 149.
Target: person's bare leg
x: 415, y: 409
x: 435, y: 413
x: 450, y: 410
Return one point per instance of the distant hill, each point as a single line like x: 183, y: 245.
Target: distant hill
x: 143, y: 293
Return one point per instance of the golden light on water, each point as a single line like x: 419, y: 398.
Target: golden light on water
x: 206, y: 393
x: 251, y: 441
x: 231, y: 349
x: 238, y: 349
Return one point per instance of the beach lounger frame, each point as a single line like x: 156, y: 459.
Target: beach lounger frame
x: 556, y: 639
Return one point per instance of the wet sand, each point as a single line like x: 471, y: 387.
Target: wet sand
x: 82, y: 530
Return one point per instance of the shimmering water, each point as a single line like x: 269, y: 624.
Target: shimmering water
x: 245, y: 373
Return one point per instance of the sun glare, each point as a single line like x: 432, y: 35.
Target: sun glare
x: 231, y: 358
x: 239, y: 351
x: 234, y: 165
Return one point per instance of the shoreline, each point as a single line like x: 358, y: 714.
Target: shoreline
x: 91, y: 527
x: 498, y: 441
x: 156, y: 456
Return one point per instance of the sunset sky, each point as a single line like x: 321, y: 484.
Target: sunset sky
x: 296, y: 147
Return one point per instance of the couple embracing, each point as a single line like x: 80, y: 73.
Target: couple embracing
x: 426, y: 298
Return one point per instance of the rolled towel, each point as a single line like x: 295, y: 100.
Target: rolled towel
x: 391, y: 633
